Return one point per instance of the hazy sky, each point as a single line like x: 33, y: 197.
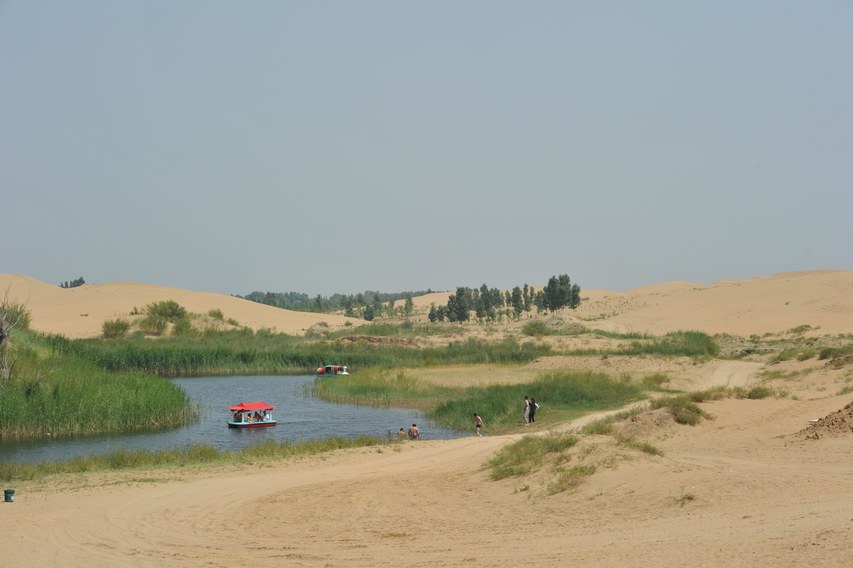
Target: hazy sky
x: 327, y: 147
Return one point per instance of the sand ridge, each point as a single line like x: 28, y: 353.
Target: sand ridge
x: 822, y: 300
x: 80, y: 312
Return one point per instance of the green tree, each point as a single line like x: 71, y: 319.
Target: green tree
x: 517, y: 300
x: 459, y: 305
x: 559, y: 293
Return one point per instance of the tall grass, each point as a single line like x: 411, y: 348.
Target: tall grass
x: 405, y: 329
x: 674, y: 344
x: 242, y: 351
x: 381, y: 387
x: 57, y: 395
x: 199, y: 454
x: 561, y: 394
x: 677, y: 343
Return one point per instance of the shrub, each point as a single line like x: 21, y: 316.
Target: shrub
x: 216, y: 314
x: 183, y: 327
x: 154, y: 325
x: 759, y: 392
x: 535, y: 329
x: 15, y: 314
x: 655, y: 381
x: 115, y: 328
x: 683, y: 410
x: 167, y: 309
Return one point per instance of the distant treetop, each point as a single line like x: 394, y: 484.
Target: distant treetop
x: 73, y: 283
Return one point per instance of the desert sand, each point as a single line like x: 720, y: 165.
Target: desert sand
x: 765, y: 482
x: 80, y: 312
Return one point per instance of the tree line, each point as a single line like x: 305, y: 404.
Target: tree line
x: 489, y: 304
x: 367, y: 305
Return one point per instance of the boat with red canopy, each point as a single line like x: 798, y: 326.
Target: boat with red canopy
x: 251, y: 415
x: 332, y: 371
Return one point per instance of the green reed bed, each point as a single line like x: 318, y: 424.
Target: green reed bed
x: 562, y: 395
x: 196, y: 455
x: 674, y: 344
x: 381, y: 387
x: 405, y: 329
x: 55, y: 395
x: 241, y: 352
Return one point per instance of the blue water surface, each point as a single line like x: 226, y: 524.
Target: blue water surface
x: 299, y: 417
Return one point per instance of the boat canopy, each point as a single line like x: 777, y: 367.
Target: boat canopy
x: 248, y: 406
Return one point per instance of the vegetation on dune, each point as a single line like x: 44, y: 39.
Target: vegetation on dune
x: 552, y: 453
x: 527, y: 454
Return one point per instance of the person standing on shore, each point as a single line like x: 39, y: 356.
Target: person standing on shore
x: 533, y: 408
x: 478, y: 424
x: 526, y: 411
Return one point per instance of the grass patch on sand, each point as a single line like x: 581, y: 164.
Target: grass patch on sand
x: 528, y: 454
x: 550, y: 452
x: 685, y: 408
x: 196, y: 455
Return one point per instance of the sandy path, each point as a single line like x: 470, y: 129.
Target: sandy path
x: 734, y: 374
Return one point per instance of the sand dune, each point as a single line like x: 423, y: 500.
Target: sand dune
x: 769, y: 304
x: 81, y: 312
x: 822, y: 300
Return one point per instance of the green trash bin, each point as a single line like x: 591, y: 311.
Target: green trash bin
x: 10, y: 495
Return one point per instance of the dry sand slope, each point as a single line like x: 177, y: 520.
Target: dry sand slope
x: 81, y: 312
x: 820, y: 299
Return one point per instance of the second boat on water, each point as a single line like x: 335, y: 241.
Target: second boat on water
x: 332, y: 371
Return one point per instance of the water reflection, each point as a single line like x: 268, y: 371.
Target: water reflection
x: 299, y: 416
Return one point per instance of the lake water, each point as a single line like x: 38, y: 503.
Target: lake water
x: 299, y: 417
